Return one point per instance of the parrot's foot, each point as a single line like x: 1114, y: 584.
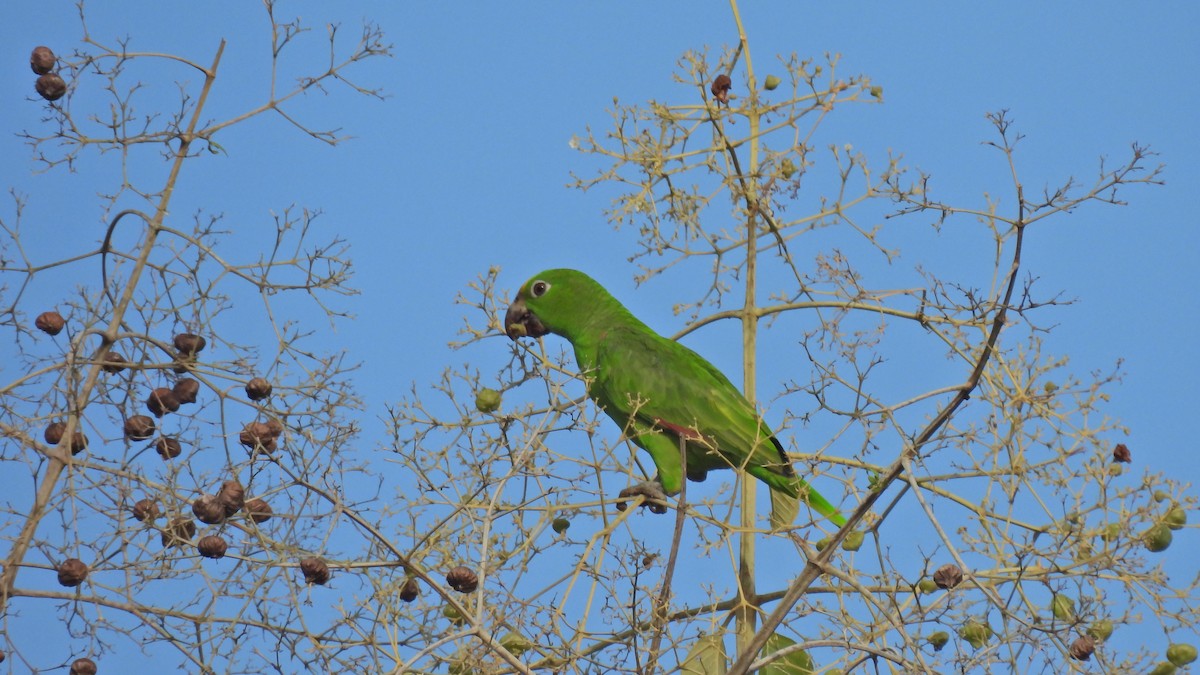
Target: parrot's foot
x: 656, y: 499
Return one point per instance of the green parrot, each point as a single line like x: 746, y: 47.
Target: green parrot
x: 659, y: 391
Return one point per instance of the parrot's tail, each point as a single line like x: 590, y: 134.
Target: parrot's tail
x: 785, y: 504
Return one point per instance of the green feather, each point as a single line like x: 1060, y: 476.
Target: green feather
x: 657, y: 390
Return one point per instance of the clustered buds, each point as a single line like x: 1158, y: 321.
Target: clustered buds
x: 139, y: 428
x: 72, y: 572
x: 315, y: 571
x: 83, y: 666
x: 212, y: 546
x: 50, y: 323
x: 462, y: 579
x: 257, y: 389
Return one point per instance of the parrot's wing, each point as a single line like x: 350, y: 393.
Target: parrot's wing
x: 660, y: 383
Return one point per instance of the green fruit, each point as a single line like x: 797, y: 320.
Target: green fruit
x: 1063, y: 607
x: 771, y: 82
x: 1161, y: 495
x: 560, y: 525
x: 877, y: 91
x: 1176, y: 518
x: 1181, y: 654
x: 1050, y: 387
x: 822, y: 543
x: 976, y: 633
x: 1157, y: 538
x: 787, y: 168
x: 835, y: 671
x: 927, y: 585
x: 1164, y: 668
x: 487, y: 400
x: 1100, y: 630
x: 1115, y: 469
x: 938, y: 640
x: 515, y: 643
x: 1111, y: 532
x: 449, y: 612
x: 853, y: 541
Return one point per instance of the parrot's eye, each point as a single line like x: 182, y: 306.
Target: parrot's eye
x: 539, y: 288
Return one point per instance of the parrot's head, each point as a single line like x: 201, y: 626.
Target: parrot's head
x: 550, y: 302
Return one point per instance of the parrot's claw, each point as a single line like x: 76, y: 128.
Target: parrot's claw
x: 656, y: 499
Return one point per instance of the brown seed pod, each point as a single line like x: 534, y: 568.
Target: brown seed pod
x: 72, y: 572
x: 948, y: 576
x: 146, y: 509
x: 232, y: 496
x: 208, y: 510
x: 720, y: 88
x: 42, y: 60
x: 54, y: 435
x: 162, y: 401
x: 50, y: 86
x: 186, y: 389
x: 257, y: 435
x: 83, y: 667
x: 1082, y: 648
x: 212, y: 546
x: 179, y: 532
x: 168, y: 447
x: 79, y: 442
x: 183, y: 365
x: 54, y: 432
x: 275, y: 427
x: 139, y: 428
x: 258, y: 388
x: 50, y: 323
x: 258, y: 510
x: 1121, y: 454
x: 189, y: 344
x: 114, y: 363
x: 315, y: 571
x: 462, y: 579
x: 410, y: 590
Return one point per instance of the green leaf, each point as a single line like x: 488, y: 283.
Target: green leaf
x: 793, y: 663
x: 706, y: 657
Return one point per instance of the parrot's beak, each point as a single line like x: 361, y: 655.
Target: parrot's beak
x: 520, y: 322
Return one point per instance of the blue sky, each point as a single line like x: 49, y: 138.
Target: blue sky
x: 464, y: 165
